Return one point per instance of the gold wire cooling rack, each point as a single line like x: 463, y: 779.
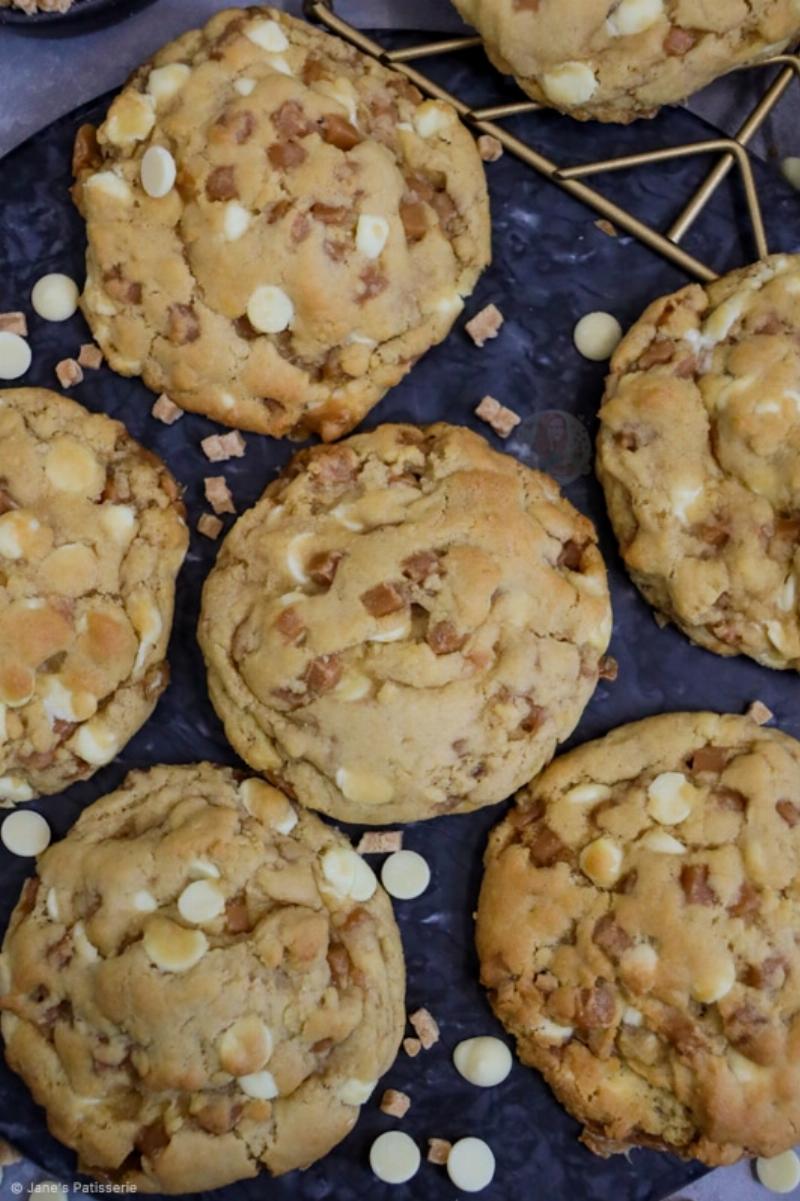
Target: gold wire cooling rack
x: 732, y: 151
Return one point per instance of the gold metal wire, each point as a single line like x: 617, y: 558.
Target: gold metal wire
x: 570, y: 178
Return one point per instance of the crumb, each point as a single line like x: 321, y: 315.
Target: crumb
x: 378, y: 842
x: 609, y: 668
x: 219, y: 447
x: 68, y: 373
x: 166, y: 410
x: 90, y: 356
x: 660, y: 620
x: 8, y: 1154
x: 759, y: 713
x: 438, y: 1150
x: 501, y: 419
x: 209, y: 525
x: 218, y: 494
x: 395, y: 1103
x: 412, y: 1047
x: 607, y: 228
x: 484, y: 325
x: 425, y: 1026
x: 489, y: 148
x: 14, y: 323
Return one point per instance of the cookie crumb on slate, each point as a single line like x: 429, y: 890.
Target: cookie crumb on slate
x: 166, y: 410
x: 438, y: 1150
x: 14, y: 323
x: 379, y: 842
x: 608, y: 668
x: 412, y: 1047
x: 395, y: 1103
x: 489, y: 148
x: 8, y: 1154
x: 69, y: 373
x: 485, y: 324
x: 209, y: 525
x: 759, y: 713
x: 219, y: 447
x: 426, y: 1027
x: 607, y: 228
x: 90, y: 356
x: 218, y: 494
x: 501, y: 419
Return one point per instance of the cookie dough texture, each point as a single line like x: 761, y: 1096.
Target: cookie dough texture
x: 186, y: 993
x: 616, y: 60
x: 636, y: 931
x: 91, y: 539
x: 325, y: 224
x: 699, y: 456
x: 405, y: 625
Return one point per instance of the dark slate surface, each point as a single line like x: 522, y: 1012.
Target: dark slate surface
x: 551, y: 266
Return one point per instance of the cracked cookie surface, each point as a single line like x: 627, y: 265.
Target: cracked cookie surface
x: 405, y: 625
x: 637, y: 933
x: 200, y: 981
x: 616, y: 60
x: 92, y: 538
x: 324, y: 225
x: 699, y: 456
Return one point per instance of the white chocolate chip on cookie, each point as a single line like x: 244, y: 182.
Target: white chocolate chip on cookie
x: 268, y: 35
x: 570, y: 84
x: 268, y: 805
x: 259, y: 1085
x: 245, y: 1047
x: 433, y: 118
x: 72, y: 467
x: 165, y: 82
x: 171, y: 947
x: 201, y: 902
x: 157, y: 171
x: 364, y: 787
x: 130, y: 118
x: 95, y: 743
x: 371, y: 235
x: 235, y: 220
x: 355, y: 1091
x: 270, y: 310
x: 602, y: 862
x: 348, y: 874
x: 634, y: 16
x: 714, y: 980
x: 670, y: 798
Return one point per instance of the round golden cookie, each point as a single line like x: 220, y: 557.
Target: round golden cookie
x: 699, y: 456
x: 637, y: 931
x: 323, y: 227
x: 92, y: 538
x: 200, y: 982
x: 616, y: 60
x: 405, y: 625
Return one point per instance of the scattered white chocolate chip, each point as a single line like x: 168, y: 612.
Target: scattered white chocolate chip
x: 245, y: 1047
x: 356, y: 1092
x: 12, y: 788
x: 15, y: 355
x: 209, y: 526
x: 405, y: 875
x: 165, y: 82
x: 166, y: 410
x: 791, y: 171
x: 55, y: 297
x: 171, y: 947
x: 25, y: 833
x: 66, y: 704
x: 378, y: 842
x: 570, y: 84
x: 268, y: 35
x: 501, y: 419
x: 714, y: 981
x: 485, y: 1061
x: 395, y: 1103
x: 425, y: 1026
x: 602, y: 861
x: 259, y: 1085
x: 15, y: 530
x: 201, y: 902
x: 394, y: 1157
x: 470, y: 1165
x: 638, y: 965
x: 433, y: 117
x: 631, y: 1016
x: 348, y: 874
x: 294, y: 559
x: 108, y: 183
x: 371, y: 235
x: 484, y: 325
x: 235, y: 221
x: 364, y: 787
x: 144, y: 901
x: 779, y: 1173
x: 633, y: 16
x: 244, y: 86
x: 670, y: 797
x: 157, y: 171
x: 597, y: 336
x: 587, y: 794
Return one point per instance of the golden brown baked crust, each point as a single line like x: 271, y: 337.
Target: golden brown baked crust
x: 615, y: 60
x: 91, y: 539
x: 405, y: 625
x: 699, y: 456
x: 637, y: 932
x: 302, y: 166
x: 186, y: 990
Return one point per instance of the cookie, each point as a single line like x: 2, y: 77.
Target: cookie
x: 92, y: 537
x: 278, y: 225
x: 616, y: 60
x: 637, y: 933
x: 405, y: 625
x: 699, y: 456
x: 200, y: 982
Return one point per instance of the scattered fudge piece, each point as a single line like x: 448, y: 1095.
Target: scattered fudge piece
x: 489, y: 148
x: 90, y: 356
x: 69, y: 373
x: 166, y: 410
x: 759, y: 713
x: 14, y: 323
x: 438, y: 1150
x: 209, y: 525
x: 379, y: 842
x: 485, y: 325
x: 219, y: 447
x: 501, y: 419
x: 425, y: 1026
x: 412, y: 1047
x: 395, y: 1103
x: 218, y: 494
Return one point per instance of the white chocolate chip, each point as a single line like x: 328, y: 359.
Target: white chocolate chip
x: 55, y: 297
x: 95, y: 743
x: 348, y: 874
x: 245, y: 1047
x: 343, y: 515
x: 779, y: 1173
x: 433, y: 117
x: 235, y: 220
x: 268, y: 35
x: 268, y: 805
x: 394, y: 1157
x: 15, y: 529
x: 113, y: 185
x: 144, y: 901
x: 119, y: 521
x: 15, y: 355
x: 670, y: 797
x: 356, y: 1092
x: 787, y: 597
x: 157, y: 171
x: 714, y: 981
x: 12, y: 788
x: 682, y: 498
x: 171, y: 947
x: 51, y: 905
x: 371, y: 235
x: 86, y: 949
x: 353, y: 686
x: 631, y: 1016
x: 634, y: 16
x: 130, y: 118
x: 597, y: 335
x: 570, y: 84
x: 405, y: 875
x: 279, y: 64
x: 392, y: 633
x: 470, y: 1165
x: 244, y: 86
x: 203, y: 869
x: 587, y: 794
x: 270, y: 310
x: 201, y: 902
x: 662, y: 843
x: 638, y: 966
x: 165, y: 82
x: 791, y: 171
x: 64, y: 704
x: 259, y: 1085
x: 364, y: 787
x: 602, y: 861
x: 294, y: 562
x: 3, y: 724
x: 485, y: 1061
x: 72, y: 467
x: 548, y: 1031
x: 25, y: 833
